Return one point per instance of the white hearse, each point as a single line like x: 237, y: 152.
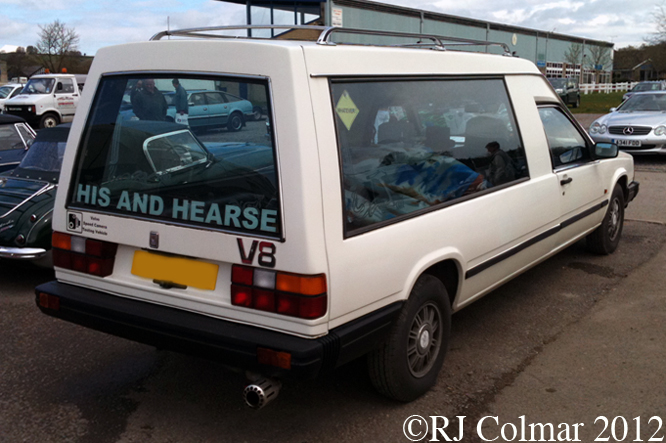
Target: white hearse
x: 397, y: 185
x: 47, y: 99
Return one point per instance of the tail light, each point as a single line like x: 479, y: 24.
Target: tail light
x: 82, y: 254
x: 295, y: 295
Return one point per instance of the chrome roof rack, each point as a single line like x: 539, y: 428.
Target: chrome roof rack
x: 437, y: 42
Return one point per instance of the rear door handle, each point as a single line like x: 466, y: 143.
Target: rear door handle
x: 566, y: 181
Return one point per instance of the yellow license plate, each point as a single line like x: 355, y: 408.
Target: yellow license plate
x: 181, y: 271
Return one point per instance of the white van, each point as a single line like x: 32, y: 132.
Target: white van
x: 47, y: 99
x: 387, y: 196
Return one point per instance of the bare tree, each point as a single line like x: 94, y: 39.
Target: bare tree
x: 599, y: 58
x: 574, y: 54
x: 56, y: 43
x: 659, y: 36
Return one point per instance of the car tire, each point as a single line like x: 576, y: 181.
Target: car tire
x: 406, y: 365
x: 49, y: 120
x: 235, y: 122
x: 257, y: 113
x: 605, y: 239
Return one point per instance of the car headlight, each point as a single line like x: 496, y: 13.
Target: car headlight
x: 597, y: 128
x: 559, y: 91
x: 660, y: 130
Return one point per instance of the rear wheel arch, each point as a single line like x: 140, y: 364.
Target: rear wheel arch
x: 448, y: 272
x: 406, y: 365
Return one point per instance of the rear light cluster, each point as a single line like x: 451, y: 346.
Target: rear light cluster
x: 82, y: 254
x: 295, y: 295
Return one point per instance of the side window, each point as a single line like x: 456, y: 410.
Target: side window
x: 408, y: 146
x: 25, y: 133
x: 567, y: 145
x: 16, y: 92
x: 9, y: 138
x: 214, y: 98
x: 67, y: 86
x: 231, y: 98
x: 197, y: 99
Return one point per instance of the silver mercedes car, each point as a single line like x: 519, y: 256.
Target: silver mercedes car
x: 637, y: 126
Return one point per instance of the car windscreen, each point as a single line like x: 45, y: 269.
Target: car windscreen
x: 5, y: 91
x: 646, y: 87
x: 644, y: 103
x: 188, y: 163
x: 558, y: 82
x: 45, y: 155
x: 39, y: 86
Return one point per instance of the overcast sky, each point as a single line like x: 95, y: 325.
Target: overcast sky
x: 104, y: 22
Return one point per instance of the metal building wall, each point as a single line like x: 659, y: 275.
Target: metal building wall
x: 546, y: 49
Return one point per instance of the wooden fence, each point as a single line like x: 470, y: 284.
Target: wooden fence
x: 606, y: 88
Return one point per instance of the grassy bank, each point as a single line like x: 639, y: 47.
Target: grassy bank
x: 598, y: 103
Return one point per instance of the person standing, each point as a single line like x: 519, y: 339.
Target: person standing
x: 149, y: 103
x: 502, y: 169
x: 180, y: 102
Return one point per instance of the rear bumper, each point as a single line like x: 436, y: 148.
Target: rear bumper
x: 22, y: 253
x: 233, y: 344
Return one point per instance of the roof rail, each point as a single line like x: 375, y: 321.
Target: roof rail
x: 436, y: 41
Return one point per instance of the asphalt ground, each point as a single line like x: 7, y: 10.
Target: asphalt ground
x: 576, y: 338
x: 606, y: 371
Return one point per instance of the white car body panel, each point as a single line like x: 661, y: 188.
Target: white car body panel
x: 367, y: 271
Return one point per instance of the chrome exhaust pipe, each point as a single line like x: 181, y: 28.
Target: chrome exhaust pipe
x: 261, y: 392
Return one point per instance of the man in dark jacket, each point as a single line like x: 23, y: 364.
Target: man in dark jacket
x: 180, y: 102
x: 501, y: 169
x: 148, y: 102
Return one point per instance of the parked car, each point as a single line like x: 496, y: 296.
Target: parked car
x: 645, y: 87
x: 209, y: 109
x: 637, y: 126
x: 27, y: 195
x: 388, y: 196
x: 568, y: 90
x: 8, y: 91
x: 15, y: 139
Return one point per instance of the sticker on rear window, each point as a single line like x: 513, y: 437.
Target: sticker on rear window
x: 346, y: 110
x: 233, y: 216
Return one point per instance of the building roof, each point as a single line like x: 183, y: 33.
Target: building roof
x: 412, y: 12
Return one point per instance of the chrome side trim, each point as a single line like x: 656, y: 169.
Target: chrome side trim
x: 544, y: 235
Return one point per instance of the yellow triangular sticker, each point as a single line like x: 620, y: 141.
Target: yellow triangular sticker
x: 347, y: 110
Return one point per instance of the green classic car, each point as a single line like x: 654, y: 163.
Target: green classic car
x: 27, y: 195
